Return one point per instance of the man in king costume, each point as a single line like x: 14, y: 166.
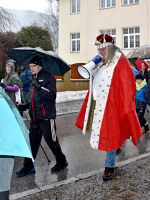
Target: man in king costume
x: 109, y: 110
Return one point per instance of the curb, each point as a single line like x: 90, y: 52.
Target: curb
x: 73, y: 179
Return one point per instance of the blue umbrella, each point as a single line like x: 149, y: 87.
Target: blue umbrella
x: 135, y: 72
x: 50, y: 60
x: 14, y: 135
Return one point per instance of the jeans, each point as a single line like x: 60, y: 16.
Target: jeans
x: 6, y: 169
x: 25, y: 96
x: 110, y: 158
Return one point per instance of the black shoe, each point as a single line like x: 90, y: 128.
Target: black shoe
x: 59, y: 166
x: 108, y: 173
x: 25, y: 171
x: 146, y: 128
x: 118, y: 151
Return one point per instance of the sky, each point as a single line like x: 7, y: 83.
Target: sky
x: 36, y: 5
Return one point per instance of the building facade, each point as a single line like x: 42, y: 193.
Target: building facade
x: 80, y: 21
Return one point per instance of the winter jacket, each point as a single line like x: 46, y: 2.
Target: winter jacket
x: 140, y: 96
x: 146, y: 74
x: 12, y: 84
x: 26, y: 79
x: 42, y: 100
x: 135, y: 72
x: 147, y: 93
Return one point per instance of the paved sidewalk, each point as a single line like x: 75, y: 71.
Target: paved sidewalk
x: 132, y: 181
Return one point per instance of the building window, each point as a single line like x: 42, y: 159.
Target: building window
x: 111, y: 32
x: 75, y: 6
x: 129, y: 2
x: 75, y: 42
x: 131, y: 37
x: 107, y: 3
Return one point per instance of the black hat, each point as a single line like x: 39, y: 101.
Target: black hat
x: 36, y: 60
x: 139, y: 76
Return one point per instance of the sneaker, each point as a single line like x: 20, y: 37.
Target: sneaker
x: 59, y: 166
x: 108, y: 173
x: 25, y: 171
x: 118, y: 151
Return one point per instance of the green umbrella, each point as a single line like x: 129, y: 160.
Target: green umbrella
x: 50, y: 60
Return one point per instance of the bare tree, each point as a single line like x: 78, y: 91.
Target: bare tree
x: 6, y: 20
x: 8, y: 40
x: 50, y: 21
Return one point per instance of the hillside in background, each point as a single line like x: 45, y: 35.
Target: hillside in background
x: 23, y: 17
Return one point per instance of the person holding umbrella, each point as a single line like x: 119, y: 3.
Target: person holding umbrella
x: 42, y: 95
x: 14, y: 141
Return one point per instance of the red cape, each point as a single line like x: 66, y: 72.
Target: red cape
x: 120, y: 120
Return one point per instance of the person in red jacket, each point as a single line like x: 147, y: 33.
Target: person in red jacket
x: 143, y: 68
x: 109, y: 107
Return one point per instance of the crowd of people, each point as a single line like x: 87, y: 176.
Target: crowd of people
x: 39, y: 91
x: 113, y: 110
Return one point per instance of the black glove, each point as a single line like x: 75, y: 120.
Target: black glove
x: 23, y: 106
x: 2, y: 85
x: 36, y: 83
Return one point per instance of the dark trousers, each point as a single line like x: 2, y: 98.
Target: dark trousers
x: 4, y: 195
x: 140, y: 113
x: 47, y: 128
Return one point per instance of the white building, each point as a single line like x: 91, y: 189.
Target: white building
x: 80, y: 21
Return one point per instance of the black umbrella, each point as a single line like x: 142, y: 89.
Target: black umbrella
x: 145, y: 57
x: 51, y: 62
x: 133, y: 60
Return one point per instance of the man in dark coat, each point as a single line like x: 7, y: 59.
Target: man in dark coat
x: 26, y: 79
x: 42, y: 95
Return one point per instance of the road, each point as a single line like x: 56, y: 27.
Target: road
x: 80, y: 156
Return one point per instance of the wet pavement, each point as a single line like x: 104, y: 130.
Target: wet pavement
x: 132, y: 182
x: 82, y: 159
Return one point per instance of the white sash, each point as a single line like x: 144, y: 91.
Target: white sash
x: 102, y: 96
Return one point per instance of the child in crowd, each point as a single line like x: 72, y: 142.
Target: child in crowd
x: 141, y: 87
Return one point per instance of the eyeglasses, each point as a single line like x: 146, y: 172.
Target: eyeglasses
x: 102, y: 49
